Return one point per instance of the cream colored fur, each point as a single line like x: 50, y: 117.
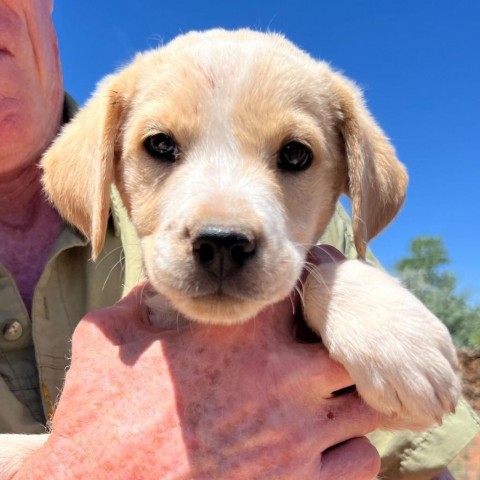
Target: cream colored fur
x: 231, y: 101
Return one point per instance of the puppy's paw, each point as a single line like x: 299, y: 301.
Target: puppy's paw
x: 399, y: 354
x: 410, y: 379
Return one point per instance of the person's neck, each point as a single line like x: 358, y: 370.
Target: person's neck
x: 29, y: 227
x: 20, y: 196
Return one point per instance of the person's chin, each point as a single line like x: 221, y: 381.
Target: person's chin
x: 18, y: 143
x: 23, y: 137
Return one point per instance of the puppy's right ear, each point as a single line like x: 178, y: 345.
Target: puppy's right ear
x: 79, y: 166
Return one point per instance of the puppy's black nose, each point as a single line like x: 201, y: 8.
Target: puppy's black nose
x: 221, y: 251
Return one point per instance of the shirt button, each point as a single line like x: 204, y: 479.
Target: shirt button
x: 12, y: 331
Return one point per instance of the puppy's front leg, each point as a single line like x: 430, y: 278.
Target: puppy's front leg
x: 399, y: 354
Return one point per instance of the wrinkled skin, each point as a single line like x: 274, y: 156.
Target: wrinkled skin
x: 31, y: 91
x: 203, y: 402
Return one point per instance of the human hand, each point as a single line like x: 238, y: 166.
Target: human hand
x: 203, y: 402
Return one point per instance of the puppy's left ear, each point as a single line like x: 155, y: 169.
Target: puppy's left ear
x: 78, y: 168
x: 377, y: 181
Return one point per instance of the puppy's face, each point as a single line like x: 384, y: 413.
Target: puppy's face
x: 230, y: 150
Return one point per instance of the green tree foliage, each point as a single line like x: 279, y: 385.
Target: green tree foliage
x: 423, y: 272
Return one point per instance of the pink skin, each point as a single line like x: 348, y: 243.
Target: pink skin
x: 31, y: 104
x: 31, y: 91
x: 204, y: 402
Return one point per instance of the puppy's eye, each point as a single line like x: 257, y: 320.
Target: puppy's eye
x: 162, y: 147
x: 294, y: 156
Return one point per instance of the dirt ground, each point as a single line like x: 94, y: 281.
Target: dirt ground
x: 467, y: 465
x: 470, y: 364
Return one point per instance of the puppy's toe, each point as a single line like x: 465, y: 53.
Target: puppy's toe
x: 424, y: 398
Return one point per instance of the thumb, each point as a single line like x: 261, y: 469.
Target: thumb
x: 324, y: 254
x: 111, y: 322
x: 136, y: 296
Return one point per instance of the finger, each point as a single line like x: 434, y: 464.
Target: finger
x: 315, y: 369
x: 356, y: 459
x: 338, y: 414
x: 341, y: 419
x: 135, y: 296
x: 335, y: 378
x: 324, y: 254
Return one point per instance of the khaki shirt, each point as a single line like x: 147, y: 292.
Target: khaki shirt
x: 34, y: 349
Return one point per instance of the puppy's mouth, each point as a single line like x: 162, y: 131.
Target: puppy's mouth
x: 231, y: 302
x: 220, y: 289
x: 218, y: 307
x: 225, y: 275
x: 224, y: 300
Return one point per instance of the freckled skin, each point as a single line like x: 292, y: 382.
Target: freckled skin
x: 237, y: 402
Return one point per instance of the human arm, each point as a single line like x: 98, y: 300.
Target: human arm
x: 245, y: 401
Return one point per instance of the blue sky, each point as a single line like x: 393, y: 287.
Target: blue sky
x: 418, y: 63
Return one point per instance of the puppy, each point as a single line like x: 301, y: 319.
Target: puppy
x: 230, y: 151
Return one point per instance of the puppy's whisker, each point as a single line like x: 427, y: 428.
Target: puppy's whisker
x: 291, y: 298
x: 140, y: 295
x: 104, y: 257
x: 119, y: 262
x: 313, y: 270
x: 305, y: 246
x: 325, y: 250
x: 299, y: 288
